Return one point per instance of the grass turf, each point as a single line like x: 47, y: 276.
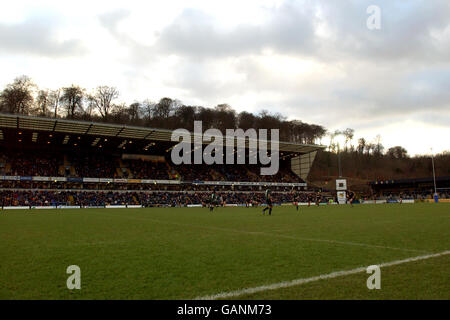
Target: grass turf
x: 184, y: 253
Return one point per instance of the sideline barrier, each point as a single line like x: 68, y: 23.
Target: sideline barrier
x: 374, y: 201
x: 68, y: 207
x: 406, y: 201
x: 432, y: 201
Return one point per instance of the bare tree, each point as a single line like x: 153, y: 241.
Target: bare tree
x: 348, y: 134
x: 147, y: 109
x: 72, y: 99
x: 318, y: 132
x: 246, y: 120
x: 206, y: 115
x: 134, y: 112
x: 102, y: 99
x: 119, y: 113
x: 370, y: 147
x: 225, y: 117
x: 185, y: 116
x: 17, y: 97
x: 44, y: 103
x: 90, y: 108
x: 55, y: 99
x: 163, y: 108
x: 397, y: 152
x: 378, y: 147
x: 361, y: 145
x: 333, y: 135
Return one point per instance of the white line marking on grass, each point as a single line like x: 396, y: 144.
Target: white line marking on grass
x: 341, y: 242
x: 271, y: 234
x: 297, y: 282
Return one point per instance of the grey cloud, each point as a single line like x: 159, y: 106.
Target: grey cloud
x: 401, y: 71
x: 407, y: 32
x: 358, y: 101
x: 110, y: 21
x: 437, y: 119
x: 289, y: 29
x: 365, y: 97
x: 36, y: 36
x: 139, y: 54
x: 195, y: 35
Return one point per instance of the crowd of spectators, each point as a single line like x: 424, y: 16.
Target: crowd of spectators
x: 59, y: 185
x: 27, y: 164
x: 86, y: 198
x: 141, y: 169
x: 104, y: 166
x: 94, y: 166
x: 159, y: 198
x: 197, y: 172
x: 284, y: 174
x: 54, y: 198
x: 3, y: 160
x: 416, y: 195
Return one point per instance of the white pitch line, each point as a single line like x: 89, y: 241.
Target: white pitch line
x: 275, y: 235
x: 348, y: 243
x: 297, y: 282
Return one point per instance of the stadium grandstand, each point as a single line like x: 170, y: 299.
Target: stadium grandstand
x: 418, y: 189
x: 57, y: 162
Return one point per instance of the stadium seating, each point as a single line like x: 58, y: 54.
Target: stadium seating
x: 106, y: 166
x: 23, y: 189
x: 103, y: 198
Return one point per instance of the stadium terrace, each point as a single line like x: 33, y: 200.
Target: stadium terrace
x: 55, y: 155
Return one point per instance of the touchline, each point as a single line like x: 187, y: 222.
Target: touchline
x: 213, y: 153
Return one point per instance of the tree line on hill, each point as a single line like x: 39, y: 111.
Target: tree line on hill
x: 370, y: 161
x: 364, y: 166
x: 23, y: 96
x: 366, y: 160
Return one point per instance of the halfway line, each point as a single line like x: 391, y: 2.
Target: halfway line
x: 267, y: 234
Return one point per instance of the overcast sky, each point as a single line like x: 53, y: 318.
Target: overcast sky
x: 311, y: 60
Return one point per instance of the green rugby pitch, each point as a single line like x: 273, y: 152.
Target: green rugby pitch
x: 189, y: 253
